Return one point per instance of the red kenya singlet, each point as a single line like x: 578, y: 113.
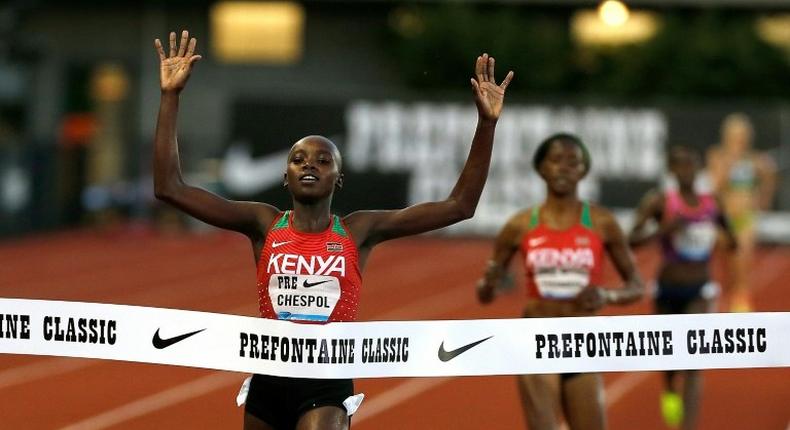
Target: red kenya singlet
x: 561, y: 263
x: 309, y: 277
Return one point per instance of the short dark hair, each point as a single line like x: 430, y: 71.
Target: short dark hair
x: 673, y: 151
x: 543, y: 149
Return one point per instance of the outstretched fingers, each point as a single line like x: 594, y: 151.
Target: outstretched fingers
x: 182, y: 47
x: 186, y: 47
x: 479, y: 67
x: 475, y: 86
x: 490, y: 66
x: 485, y: 66
x: 485, y: 60
x: 484, y: 70
x: 191, y: 47
x: 172, y: 44
x: 159, y: 49
x: 506, y: 81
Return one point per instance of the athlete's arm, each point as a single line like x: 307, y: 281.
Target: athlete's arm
x: 717, y: 168
x: 505, y: 246
x: 373, y: 227
x: 649, y: 208
x: 617, y: 247
x: 245, y: 217
x: 766, y: 174
x: 723, y: 222
x: 623, y: 260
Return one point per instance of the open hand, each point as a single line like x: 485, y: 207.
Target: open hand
x: 489, y: 96
x: 174, y: 69
x: 591, y: 298
x: 671, y: 226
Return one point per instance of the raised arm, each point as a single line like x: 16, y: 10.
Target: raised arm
x: 245, y: 217
x: 505, y: 246
x: 375, y: 226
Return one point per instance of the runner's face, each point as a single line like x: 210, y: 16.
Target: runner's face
x: 738, y: 136
x: 563, y: 167
x: 313, y: 169
x: 684, y: 165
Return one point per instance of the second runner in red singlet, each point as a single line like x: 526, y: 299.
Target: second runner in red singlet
x: 562, y: 242
x: 561, y: 263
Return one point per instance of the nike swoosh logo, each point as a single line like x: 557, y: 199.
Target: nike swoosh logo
x: 537, y: 241
x: 160, y: 343
x: 449, y: 355
x: 246, y: 176
x: 276, y: 244
x: 312, y: 284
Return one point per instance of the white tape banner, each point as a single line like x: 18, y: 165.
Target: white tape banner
x: 394, y: 348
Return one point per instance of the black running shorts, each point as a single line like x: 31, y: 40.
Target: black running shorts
x: 280, y: 402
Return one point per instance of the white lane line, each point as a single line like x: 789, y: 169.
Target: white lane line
x: 394, y: 396
x: 413, y: 387
x: 623, y: 385
x: 157, y: 401
x: 41, y: 369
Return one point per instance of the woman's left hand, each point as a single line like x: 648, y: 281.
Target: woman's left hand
x: 591, y: 298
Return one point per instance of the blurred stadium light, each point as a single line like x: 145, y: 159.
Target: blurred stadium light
x: 616, y: 27
x: 257, y: 32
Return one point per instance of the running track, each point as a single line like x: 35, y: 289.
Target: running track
x: 420, y: 278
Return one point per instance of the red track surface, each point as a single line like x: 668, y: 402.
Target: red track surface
x: 421, y: 278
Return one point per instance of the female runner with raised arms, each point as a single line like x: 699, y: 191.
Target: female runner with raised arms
x: 286, y: 244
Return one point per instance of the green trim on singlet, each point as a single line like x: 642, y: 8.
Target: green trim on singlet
x: 337, y: 226
x: 534, y: 217
x: 586, y: 217
x: 283, y: 222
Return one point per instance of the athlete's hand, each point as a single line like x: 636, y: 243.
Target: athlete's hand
x: 591, y: 298
x: 489, y: 96
x: 669, y: 227
x: 485, y: 292
x: 174, y: 69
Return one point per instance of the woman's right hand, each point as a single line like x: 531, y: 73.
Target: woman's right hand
x: 174, y: 69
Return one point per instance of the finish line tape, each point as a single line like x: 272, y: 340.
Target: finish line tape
x: 394, y: 348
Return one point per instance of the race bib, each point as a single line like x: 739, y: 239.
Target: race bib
x: 695, y: 241
x: 561, y: 284
x: 304, y: 297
